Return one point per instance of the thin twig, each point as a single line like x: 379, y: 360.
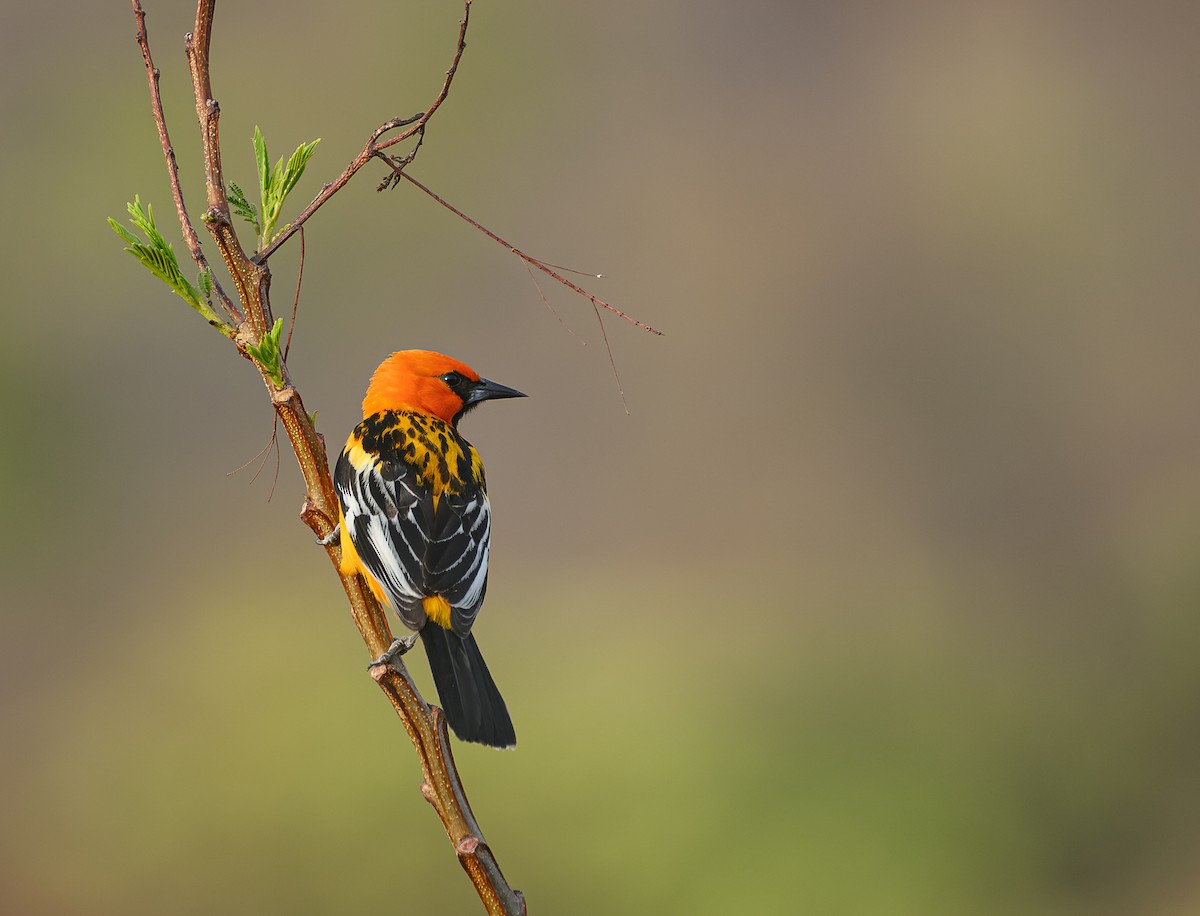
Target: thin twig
x: 611, y: 362
x: 445, y: 90
x: 398, y: 164
x: 251, y: 280
x: 415, y: 124
x: 287, y: 347
x: 572, y: 270
x: 264, y: 453
x: 553, y: 310
x: 529, y: 259
x: 261, y: 453
x: 189, y: 232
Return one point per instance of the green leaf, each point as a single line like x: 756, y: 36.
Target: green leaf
x: 243, y: 207
x: 263, y: 163
x: 266, y: 353
x: 158, y: 257
x: 275, y: 184
x: 123, y: 232
x: 295, y: 167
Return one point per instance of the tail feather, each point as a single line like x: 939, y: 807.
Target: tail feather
x: 472, y: 703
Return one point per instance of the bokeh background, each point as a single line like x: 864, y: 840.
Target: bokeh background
x: 881, y: 599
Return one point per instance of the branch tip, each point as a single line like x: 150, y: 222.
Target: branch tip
x: 373, y: 145
x: 528, y: 259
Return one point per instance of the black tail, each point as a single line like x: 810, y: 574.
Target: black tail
x: 472, y: 703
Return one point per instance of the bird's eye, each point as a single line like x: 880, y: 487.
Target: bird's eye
x: 451, y: 378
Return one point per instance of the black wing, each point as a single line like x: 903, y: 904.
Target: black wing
x: 412, y: 549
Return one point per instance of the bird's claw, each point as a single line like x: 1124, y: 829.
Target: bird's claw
x: 332, y: 537
x: 399, y: 646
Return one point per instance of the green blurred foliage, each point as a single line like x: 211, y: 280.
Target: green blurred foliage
x: 882, y: 600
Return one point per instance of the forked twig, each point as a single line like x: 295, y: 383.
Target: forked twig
x: 160, y: 121
x: 553, y: 311
x: 415, y: 124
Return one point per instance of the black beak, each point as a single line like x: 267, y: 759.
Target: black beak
x: 486, y: 390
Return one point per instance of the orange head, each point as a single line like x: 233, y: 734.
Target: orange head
x: 431, y: 383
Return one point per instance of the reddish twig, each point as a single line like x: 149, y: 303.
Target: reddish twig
x: 264, y: 453
x: 611, y: 361
x: 251, y: 280
x: 287, y: 348
x: 572, y: 270
x: 529, y: 259
x: 552, y: 309
x: 415, y: 124
x: 189, y: 232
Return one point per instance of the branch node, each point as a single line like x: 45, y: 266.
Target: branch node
x: 467, y: 846
x: 312, y: 514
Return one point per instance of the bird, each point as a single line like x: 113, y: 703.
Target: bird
x: 416, y: 524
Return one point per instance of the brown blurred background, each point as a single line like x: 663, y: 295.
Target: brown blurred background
x: 881, y: 600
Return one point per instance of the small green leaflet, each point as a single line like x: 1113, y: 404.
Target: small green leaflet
x: 274, y: 184
x: 266, y: 354
x: 158, y: 257
x: 243, y: 207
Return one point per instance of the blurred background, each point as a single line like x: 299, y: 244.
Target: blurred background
x: 881, y: 599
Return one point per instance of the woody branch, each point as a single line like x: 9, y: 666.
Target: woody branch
x: 251, y: 278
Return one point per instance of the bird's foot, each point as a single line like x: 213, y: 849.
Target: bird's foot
x: 333, y: 537
x: 398, y: 647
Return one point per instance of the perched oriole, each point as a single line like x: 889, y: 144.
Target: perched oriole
x: 416, y: 524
